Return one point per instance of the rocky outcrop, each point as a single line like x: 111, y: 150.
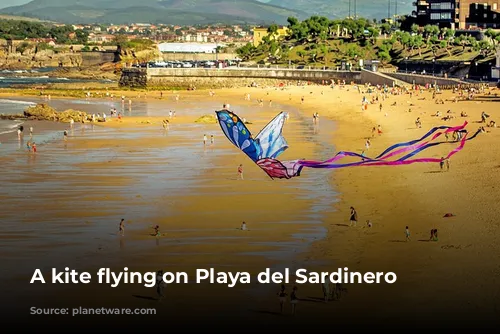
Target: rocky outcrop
x: 12, y: 117
x: 207, y: 119
x: 43, y: 111
x: 134, y: 78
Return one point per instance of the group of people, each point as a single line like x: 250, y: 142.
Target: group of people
x: 353, y: 220
x: 282, y: 295
x: 205, y: 140
x: 444, y: 163
x: 376, y: 130
x: 332, y: 294
x: 315, y: 118
x: 30, y: 145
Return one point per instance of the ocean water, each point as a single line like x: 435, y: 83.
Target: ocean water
x: 19, y: 78
x: 12, y: 107
x: 60, y: 235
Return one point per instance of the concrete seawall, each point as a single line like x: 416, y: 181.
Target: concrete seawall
x: 227, y: 77
x: 377, y: 78
x: 420, y: 79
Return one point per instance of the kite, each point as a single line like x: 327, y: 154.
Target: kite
x: 264, y: 148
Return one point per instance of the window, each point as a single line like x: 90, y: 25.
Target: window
x: 485, y: 15
x: 442, y: 5
x: 495, y: 6
x: 440, y: 16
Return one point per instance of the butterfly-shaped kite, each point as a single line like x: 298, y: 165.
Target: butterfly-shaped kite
x: 270, y: 143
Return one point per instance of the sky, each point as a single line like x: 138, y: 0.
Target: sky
x: 8, y: 3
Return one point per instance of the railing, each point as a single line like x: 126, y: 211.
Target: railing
x: 264, y: 68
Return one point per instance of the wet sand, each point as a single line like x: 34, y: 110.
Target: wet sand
x: 114, y: 176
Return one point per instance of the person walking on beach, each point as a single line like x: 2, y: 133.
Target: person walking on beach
x: 447, y: 163
x: 65, y: 135
x: 157, y: 231
x: 294, y: 299
x: 407, y: 234
x: 33, y: 147
x: 418, y: 123
x: 240, y: 172
x: 441, y: 163
x: 353, y: 220
x: 71, y: 123
x: 282, y: 298
x: 121, y: 229
x: 31, y: 131
x: 367, y: 144
x: 244, y: 226
x: 160, y: 285
x: 326, y: 290
x: 212, y: 139
x: 204, y: 140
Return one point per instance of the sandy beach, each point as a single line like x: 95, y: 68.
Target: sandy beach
x: 134, y: 169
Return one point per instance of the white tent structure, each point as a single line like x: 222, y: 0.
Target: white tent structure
x: 188, y: 47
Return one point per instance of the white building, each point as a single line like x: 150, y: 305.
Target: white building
x: 188, y: 47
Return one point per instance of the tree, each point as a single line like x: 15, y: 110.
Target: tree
x: 494, y: 37
x: 247, y: 51
x: 82, y: 37
x: 301, y: 54
x: 273, y: 29
x: 373, y: 33
x: 414, y: 28
x: 385, y: 28
x: 120, y: 40
x: 418, y: 42
x: 324, y: 50
x: 292, y: 21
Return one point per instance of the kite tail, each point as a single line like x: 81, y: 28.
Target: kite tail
x: 415, y: 147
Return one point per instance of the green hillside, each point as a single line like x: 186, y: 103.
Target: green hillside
x: 153, y: 11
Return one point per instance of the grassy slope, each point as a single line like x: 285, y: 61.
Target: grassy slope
x: 339, y: 50
x: 19, y: 18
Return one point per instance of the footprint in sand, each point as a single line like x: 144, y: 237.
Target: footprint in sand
x: 451, y: 247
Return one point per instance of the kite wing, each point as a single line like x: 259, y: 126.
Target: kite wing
x: 271, y: 139
x: 280, y: 169
x: 238, y: 134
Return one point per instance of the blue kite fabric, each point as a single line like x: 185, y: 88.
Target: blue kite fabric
x: 270, y: 143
